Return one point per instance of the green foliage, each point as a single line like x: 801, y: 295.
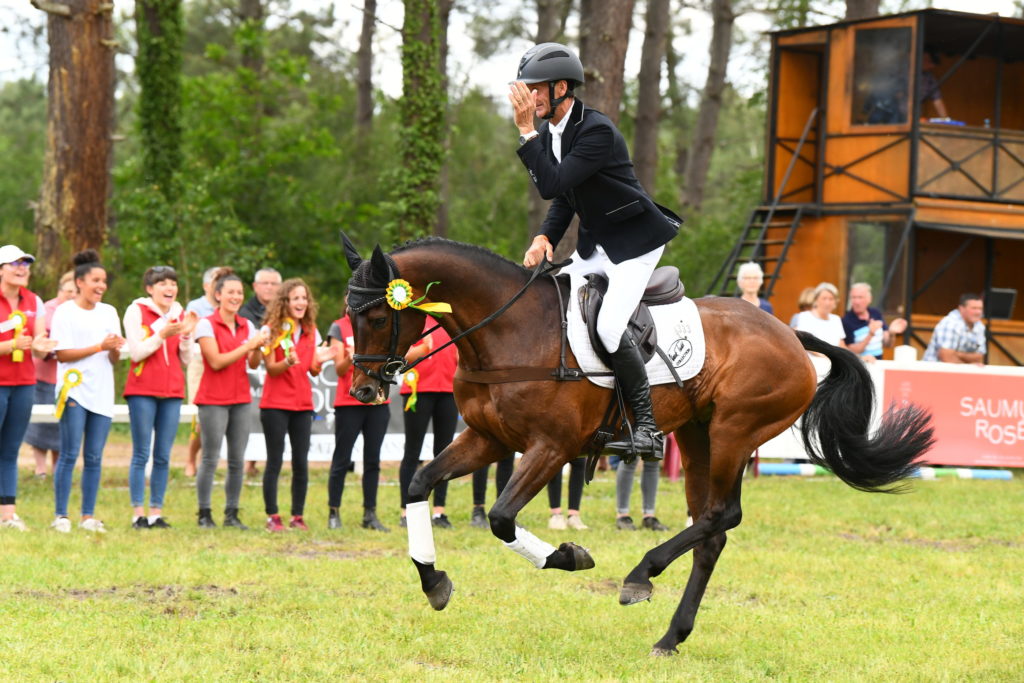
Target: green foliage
x: 22, y: 141
x: 158, y: 69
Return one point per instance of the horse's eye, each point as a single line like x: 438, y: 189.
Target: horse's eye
x: 378, y: 323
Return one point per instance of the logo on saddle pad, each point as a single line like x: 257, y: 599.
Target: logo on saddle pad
x: 681, y: 349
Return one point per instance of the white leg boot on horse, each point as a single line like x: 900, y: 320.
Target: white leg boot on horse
x: 536, y: 469
x: 469, y: 452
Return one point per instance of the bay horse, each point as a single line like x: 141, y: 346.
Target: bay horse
x: 756, y: 381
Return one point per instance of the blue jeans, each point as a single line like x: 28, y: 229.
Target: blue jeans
x: 15, y: 413
x: 76, y: 423
x: 154, y: 421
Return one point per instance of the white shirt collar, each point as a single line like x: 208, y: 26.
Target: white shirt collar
x: 556, y: 135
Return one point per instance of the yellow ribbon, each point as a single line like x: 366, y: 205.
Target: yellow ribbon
x: 284, y: 340
x: 412, y: 378
x: 72, y: 378
x: 20, y: 321
x: 399, y: 296
x: 146, y: 334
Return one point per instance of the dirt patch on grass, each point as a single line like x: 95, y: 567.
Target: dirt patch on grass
x: 603, y: 587
x: 949, y: 545
x: 328, y: 550
x: 136, y: 592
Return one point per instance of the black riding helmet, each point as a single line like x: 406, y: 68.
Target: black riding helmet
x: 550, y: 63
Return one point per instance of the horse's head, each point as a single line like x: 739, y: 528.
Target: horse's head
x: 383, y: 329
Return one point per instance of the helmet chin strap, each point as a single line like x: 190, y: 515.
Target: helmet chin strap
x: 555, y: 101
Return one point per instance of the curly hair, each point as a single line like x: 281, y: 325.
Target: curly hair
x: 277, y: 309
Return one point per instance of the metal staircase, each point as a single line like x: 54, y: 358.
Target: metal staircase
x: 767, y: 236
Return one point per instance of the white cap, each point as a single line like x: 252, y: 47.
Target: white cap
x: 10, y: 253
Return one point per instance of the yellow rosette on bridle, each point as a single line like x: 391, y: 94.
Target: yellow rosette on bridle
x: 412, y: 378
x: 72, y: 378
x: 284, y: 340
x: 399, y: 296
x: 146, y: 334
x: 20, y: 321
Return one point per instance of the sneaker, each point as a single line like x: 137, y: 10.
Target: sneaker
x: 140, y: 523
x: 557, y: 522
x: 159, y: 523
x: 297, y: 523
x: 441, y: 521
x: 333, y: 519
x: 206, y: 519
x: 92, y: 524
x: 13, y: 523
x: 574, y: 522
x: 653, y: 524
x: 479, y: 519
x: 61, y: 524
x: 274, y: 524
x: 625, y: 524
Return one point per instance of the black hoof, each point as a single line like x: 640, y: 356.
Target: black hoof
x: 441, y: 593
x: 580, y: 557
x: 633, y: 593
x: 661, y: 652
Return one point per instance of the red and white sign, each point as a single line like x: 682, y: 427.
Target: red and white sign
x: 978, y: 416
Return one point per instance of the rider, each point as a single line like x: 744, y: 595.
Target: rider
x: 579, y: 160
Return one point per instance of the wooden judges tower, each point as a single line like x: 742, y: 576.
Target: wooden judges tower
x: 863, y: 181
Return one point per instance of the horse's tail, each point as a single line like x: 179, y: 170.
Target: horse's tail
x: 835, y: 427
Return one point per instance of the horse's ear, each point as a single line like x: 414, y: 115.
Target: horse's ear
x: 379, y: 271
x: 351, y: 254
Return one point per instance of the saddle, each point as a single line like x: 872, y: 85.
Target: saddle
x: 664, y: 287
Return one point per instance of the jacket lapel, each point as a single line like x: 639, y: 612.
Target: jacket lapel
x: 575, y: 119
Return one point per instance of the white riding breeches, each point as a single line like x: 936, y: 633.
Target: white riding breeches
x: 626, y: 284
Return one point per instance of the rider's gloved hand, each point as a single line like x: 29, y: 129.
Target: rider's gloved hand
x: 540, y: 248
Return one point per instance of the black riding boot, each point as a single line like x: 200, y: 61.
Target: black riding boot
x: 231, y: 519
x: 630, y: 373
x: 370, y: 520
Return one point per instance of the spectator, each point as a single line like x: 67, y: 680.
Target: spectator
x: 750, y: 277
x: 159, y: 344
x: 43, y: 436
x: 429, y: 397
x: 960, y: 336
x: 265, y: 284
x: 286, y: 408
x: 865, y: 329
x: 226, y: 340
x: 929, y: 86
x: 502, y: 475
x: 352, y: 418
x: 820, y: 320
x: 803, y: 303
x: 89, y: 340
x: 649, y: 480
x: 577, y: 474
x: 22, y: 336
x: 202, y: 307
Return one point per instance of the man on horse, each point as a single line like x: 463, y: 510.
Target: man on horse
x: 579, y: 159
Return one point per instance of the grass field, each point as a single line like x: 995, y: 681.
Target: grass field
x: 819, y: 583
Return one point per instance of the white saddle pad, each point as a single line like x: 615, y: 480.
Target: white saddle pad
x: 680, y: 336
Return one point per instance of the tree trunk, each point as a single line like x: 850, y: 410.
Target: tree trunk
x: 364, y: 69
x: 861, y: 9
x: 677, y: 114
x: 72, y: 210
x: 648, y: 107
x: 160, y: 35
x: 422, y: 107
x: 444, y: 11
x: 710, y: 104
x: 604, y: 37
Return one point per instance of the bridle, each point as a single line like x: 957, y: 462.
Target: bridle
x: 393, y: 364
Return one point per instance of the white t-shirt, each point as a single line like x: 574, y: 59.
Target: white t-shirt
x: 77, y: 328
x: 830, y: 330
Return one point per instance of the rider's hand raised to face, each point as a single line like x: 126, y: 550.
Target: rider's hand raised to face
x: 540, y: 249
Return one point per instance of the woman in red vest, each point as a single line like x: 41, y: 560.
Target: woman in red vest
x: 158, y: 334
x: 286, y: 408
x: 22, y: 336
x: 429, y: 397
x: 352, y: 418
x: 226, y: 341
